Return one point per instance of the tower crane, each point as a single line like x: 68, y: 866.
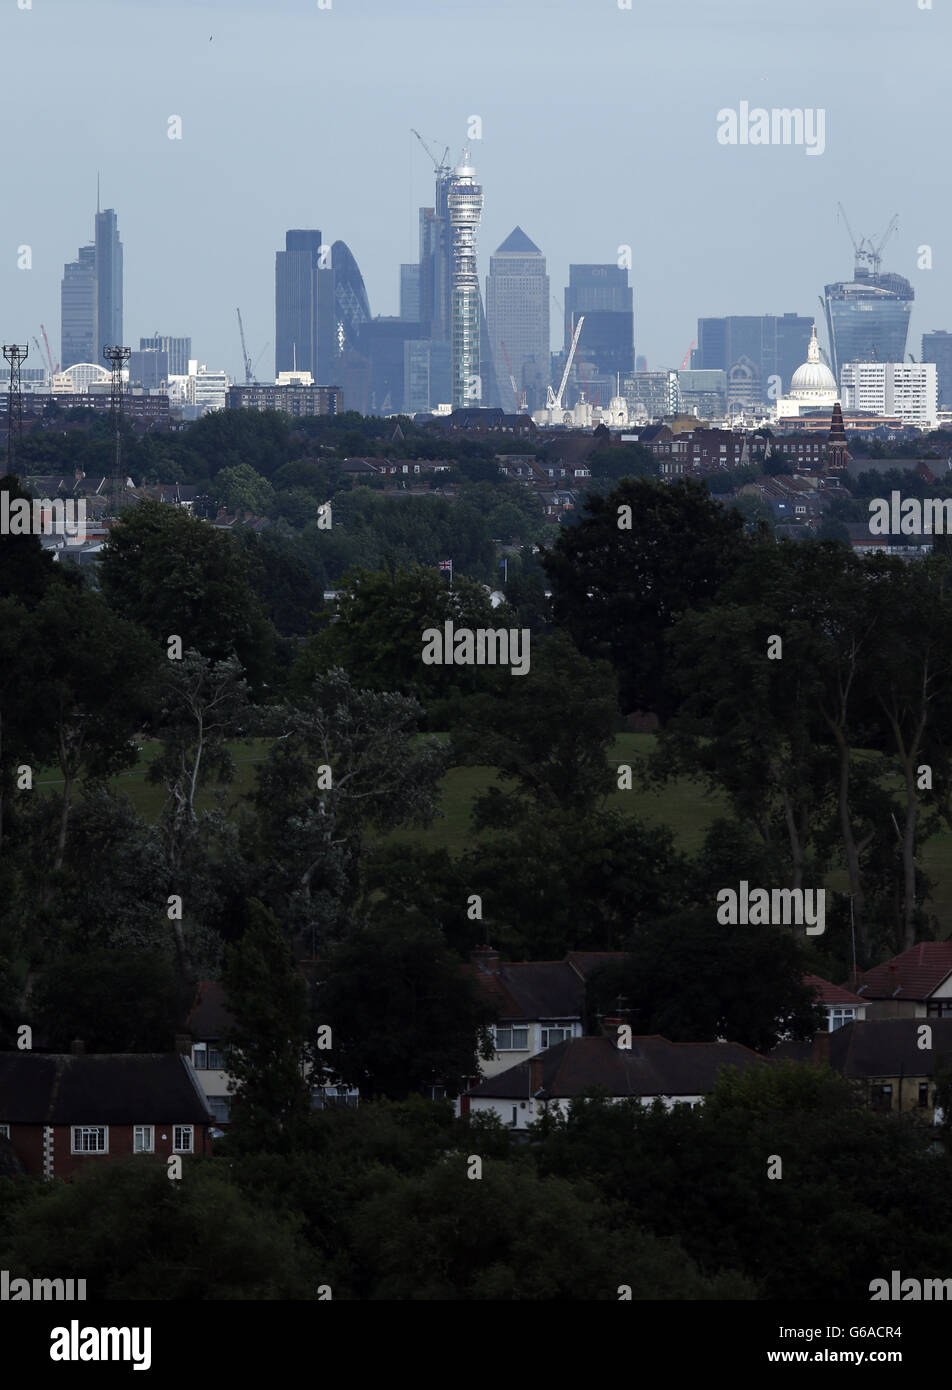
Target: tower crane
x: 249, y: 369
x: 553, y: 401
x: 49, y: 355
x: 512, y: 379
x: 687, y: 355
x: 440, y: 165
x: 864, y: 250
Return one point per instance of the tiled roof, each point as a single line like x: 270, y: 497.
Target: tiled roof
x: 109, y: 1088
x: 888, y: 1047
x: 533, y: 989
x: 652, y: 1066
x: 828, y: 993
x: 584, y: 962
x: 210, y: 1016
x: 915, y: 974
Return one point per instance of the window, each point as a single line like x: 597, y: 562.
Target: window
x: 840, y: 1016
x: 216, y: 1059
x: 182, y: 1139
x: 199, y: 1056
x: 220, y: 1106
x: 90, y: 1139
x: 4, y: 1131
x: 939, y: 1008
x: 923, y: 1095
x: 434, y: 1092
x: 142, y: 1139
x: 882, y: 1097
x: 551, y: 1036
x: 511, y: 1039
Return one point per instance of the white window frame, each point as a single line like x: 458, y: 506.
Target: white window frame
x: 148, y: 1134
x: 510, y: 1029
x: 4, y: 1131
x: 838, y: 1015
x: 203, y: 1049
x: 77, y: 1129
x: 181, y: 1130
x: 546, y: 1029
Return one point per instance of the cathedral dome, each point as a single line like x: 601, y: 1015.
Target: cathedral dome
x: 814, y: 375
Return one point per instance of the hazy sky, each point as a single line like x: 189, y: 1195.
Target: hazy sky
x: 599, y: 129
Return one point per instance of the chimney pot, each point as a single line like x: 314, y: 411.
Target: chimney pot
x: 486, y: 958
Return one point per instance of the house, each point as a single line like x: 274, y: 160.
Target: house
x: 207, y: 1026
x: 62, y: 1111
x: 886, y: 1060
x: 538, y: 1003
x: 840, y: 1005
x: 915, y: 984
x: 652, y: 1068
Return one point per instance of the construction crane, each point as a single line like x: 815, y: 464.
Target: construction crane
x: 258, y: 359
x: 864, y: 250
x: 49, y: 355
x: 440, y: 165
x: 553, y: 401
x: 687, y: 355
x: 249, y: 369
x: 512, y: 379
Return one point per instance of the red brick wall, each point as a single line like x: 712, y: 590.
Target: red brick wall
x: 27, y: 1141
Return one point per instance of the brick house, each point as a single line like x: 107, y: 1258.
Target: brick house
x: 62, y: 1111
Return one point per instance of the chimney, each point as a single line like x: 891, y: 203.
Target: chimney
x: 183, y: 1044
x: 535, y: 1074
x: 821, y: 1048
x: 486, y: 958
x: 77, y: 1047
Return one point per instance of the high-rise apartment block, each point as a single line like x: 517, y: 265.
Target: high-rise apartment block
x: 905, y: 389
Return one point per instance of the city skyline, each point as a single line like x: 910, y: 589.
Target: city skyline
x: 732, y: 231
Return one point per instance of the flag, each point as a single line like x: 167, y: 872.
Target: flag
x: 446, y: 565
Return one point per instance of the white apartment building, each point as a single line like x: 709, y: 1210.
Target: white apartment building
x: 205, y: 389
x: 909, y: 390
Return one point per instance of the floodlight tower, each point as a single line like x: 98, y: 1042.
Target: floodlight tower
x: 117, y: 357
x: 15, y: 354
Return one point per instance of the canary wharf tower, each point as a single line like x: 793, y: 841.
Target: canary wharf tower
x: 465, y: 205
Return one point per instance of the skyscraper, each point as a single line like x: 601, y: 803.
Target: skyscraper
x: 305, y: 322
x: 867, y: 318
x: 465, y: 205
x: 603, y: 295
x: 410, y: 292
x: 937, y: 348
x: 78, y: 309
x: 517, y: 316
x: 178, y: 349
x: 751, y: 348
x: 91, y: 296
x: 108, y: 281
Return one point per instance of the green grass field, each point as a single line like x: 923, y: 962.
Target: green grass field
x: 685, y: 806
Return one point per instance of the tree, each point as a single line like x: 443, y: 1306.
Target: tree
x: 618, y: 591
x: 241, y: 489
x: 95, y: 690
x: 132, y: 1234
x: 172, y: 574
x: 402, y: 1012
x: 130, y: 1001
x: 267, y: 997
x: 693, y: 979
x: 559, y: 761
x: 348, y: 761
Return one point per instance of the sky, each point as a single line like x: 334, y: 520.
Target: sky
x: 599, y: 130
